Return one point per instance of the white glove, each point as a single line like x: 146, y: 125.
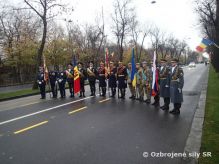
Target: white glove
x: 60, y: 80
x: 167, y: 86
x: 40, y: 82
x: 180, y: 90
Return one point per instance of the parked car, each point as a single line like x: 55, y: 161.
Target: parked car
x: 192, y: 64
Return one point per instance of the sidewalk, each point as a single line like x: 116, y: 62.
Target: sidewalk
x: 15, y: 88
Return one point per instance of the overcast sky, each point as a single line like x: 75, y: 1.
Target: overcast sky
x: 172, y: 16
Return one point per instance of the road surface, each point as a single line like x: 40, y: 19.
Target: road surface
x: 95, y: 130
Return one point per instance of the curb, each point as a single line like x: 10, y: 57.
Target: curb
x: 193, y: 142
x: 16, y: 97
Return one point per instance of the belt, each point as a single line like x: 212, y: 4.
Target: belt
x: 101, y: 74
x: 163, y: 78
x: 175, y: 80
x: 121, y: 75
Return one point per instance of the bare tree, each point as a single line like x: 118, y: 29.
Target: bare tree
x: 44, y: 9
x: 121, y: 18
x: 208, y: 11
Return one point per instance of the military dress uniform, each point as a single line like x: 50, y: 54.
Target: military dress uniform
x: 148, y: 85
x: 139, y: 83
x: 129, y: 81
x: 70, y: 79
x: 82, y: 76
x: 61, y: 78
x: 165, y: 84
x: 53, y: 83
x: 122, y: 80
x: 176, y: 85
x: 101, y: 74
x: 41, y: 82
x: 91, y: 75
x: 112, y: 79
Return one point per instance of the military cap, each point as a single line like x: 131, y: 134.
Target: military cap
x: 111, y: 62
x: 174, y: 60
x: 129, y: 63
x: 70, y: 64
x: 120, y: 62
x: 137, y: 63
x: 144, y: 62
x: 80, y: 63
x: 101, y: 62
x: 163, y: 60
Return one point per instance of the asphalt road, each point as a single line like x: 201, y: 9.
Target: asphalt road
x: 95, y: 130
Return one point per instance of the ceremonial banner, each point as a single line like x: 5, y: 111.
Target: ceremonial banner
x: 46, y: 72
x: 133, y: 73
x: 154, y: 91
x: 76, y: 77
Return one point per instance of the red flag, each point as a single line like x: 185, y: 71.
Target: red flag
x: 76, y: 80
x: 46, y: 72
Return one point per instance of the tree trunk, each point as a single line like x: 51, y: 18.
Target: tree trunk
x: 215, y: 60
x: 40, y: 50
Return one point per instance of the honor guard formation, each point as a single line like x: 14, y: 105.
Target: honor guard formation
x: 116, y: 77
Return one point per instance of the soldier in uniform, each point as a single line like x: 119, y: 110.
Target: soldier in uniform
x: 92, y: 73
x: 102, y: 72
x: 144, y: 81
x: 139, y: 84
x: 53, y: 83
x: 176, y: 85
x: 164, y: 84
x: 82, y: 76
x: 122, y: 79
x: 70, y: 79
x: 131, y: 88
x: 61, y: 78
x: 112, y: 79
x: 41, y: 82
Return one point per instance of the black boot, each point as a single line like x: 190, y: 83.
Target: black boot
x: 83, y: 94
x: 80, y: 94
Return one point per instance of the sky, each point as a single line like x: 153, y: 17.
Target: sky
x: 177, y: 17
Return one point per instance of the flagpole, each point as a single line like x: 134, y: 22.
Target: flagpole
x: 216, y: 45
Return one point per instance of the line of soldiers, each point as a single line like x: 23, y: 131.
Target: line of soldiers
x: 171, y: 82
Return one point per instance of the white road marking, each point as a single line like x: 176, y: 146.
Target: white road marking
x: 42, y: 111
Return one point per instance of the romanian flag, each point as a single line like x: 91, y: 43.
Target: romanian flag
x: 46, y: 72
x: 155, y: 78
x: 204, y: 43
x: 133, y: 73
x: 76, y: 77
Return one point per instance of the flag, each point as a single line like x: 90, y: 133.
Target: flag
x: 46, y: 72
x: 155, y: 77
x: 76, y: 77
x: 133, y: 75
x: 204, y: 43
x: 106, y: 57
